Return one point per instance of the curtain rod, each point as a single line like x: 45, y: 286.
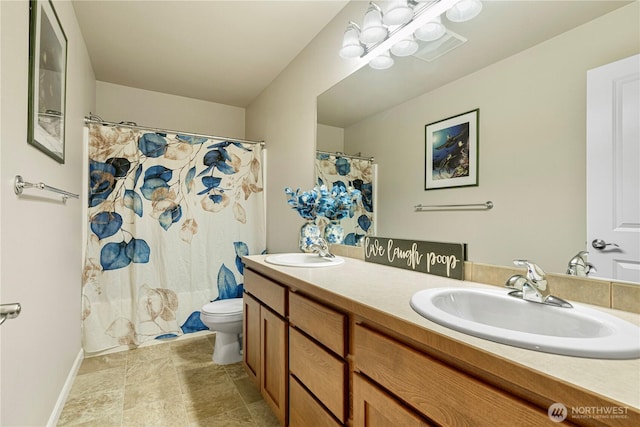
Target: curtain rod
x: 132, y: 125
x: 339, y: 154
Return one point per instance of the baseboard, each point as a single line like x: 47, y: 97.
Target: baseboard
x: 64, y: 393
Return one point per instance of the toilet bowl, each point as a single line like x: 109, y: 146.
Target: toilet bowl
x: 225, y: 318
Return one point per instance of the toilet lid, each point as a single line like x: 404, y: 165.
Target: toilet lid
x: 224, y: 306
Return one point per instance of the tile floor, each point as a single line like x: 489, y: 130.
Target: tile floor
x: 171, y: 384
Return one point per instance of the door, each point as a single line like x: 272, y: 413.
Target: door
x: 613, y: 169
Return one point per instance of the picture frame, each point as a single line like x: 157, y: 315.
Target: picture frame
x: 451, y: 152
x: 47, y: 80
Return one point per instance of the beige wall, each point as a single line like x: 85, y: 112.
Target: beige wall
x: 40, y: 264
x: 330, y: 138
x: 116, y: 103
x: 532, y: 149
x: 284, y: 115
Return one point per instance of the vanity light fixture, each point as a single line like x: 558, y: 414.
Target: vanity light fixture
x: 351, y: 46
x: 373, y: 31
x: 431, y: 31
x: 382, y: 61
x: 405, y: 47
x: 464, y: 10
x: 398, y: 13
x: 396, y: 27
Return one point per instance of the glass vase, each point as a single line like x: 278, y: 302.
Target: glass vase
x: 309, y: 236
x: 334, y: 233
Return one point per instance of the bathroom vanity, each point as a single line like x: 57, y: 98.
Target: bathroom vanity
x: 341, y: 346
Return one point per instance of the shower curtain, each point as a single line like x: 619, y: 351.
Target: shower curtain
x: 335, y: 169
x: 170, y: 217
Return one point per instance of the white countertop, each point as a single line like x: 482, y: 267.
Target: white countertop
x: 389, y: 289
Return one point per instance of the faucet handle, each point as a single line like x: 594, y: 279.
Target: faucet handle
x: 535, y: 275
x: 579, y: 266
x: 321, y: 247
x: 516, y: 282
x: 534, y: 272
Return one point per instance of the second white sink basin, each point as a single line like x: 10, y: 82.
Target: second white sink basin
x: 496, y: 316
x: 303, y: 260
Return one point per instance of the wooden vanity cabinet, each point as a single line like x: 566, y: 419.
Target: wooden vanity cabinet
x: 318, y: 370
x: 323, y: 360
x: 436, y: 390
x: 265, y: 340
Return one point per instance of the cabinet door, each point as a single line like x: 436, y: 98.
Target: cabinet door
x: 251, y: 338
x: 374, y: 408
x: 273, y: 368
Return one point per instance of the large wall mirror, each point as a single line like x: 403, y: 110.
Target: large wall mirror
x: 524, y: 66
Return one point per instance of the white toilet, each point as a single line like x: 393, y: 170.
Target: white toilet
x: 225, y: 318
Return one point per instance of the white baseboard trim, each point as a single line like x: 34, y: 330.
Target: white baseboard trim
x: 64, y: 393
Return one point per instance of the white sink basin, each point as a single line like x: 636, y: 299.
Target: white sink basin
x: 494, y: 315
x: 303, y: 260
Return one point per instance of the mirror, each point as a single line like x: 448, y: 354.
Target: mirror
x: 530, y: 89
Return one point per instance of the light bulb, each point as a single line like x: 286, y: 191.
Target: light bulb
x: 398, y: 12
x: 464, y: 10
x: 382, y: 61
x: 405, y: 47
x: 431, y: 31
x: 351, y: 47
x: 372, y: 29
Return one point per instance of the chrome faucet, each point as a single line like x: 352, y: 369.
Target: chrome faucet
x: 534, y: 287
x: 321, y: 247
x: 578, y: 265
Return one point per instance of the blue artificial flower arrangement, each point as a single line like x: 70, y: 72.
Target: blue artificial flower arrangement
x: 335, y: 204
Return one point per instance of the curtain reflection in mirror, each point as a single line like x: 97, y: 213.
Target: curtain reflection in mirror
x: 352, y: 171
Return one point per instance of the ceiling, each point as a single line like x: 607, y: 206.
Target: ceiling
x: 502, y: 29
x: 226, y: 52
x: 229, y: 51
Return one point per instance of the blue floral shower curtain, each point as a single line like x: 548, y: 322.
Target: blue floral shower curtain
x: 170, y: 217
x: 332, y: 169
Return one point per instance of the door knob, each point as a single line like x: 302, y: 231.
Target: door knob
x: 601, y: 244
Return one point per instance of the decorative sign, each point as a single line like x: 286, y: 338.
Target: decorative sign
x: 440, y: 259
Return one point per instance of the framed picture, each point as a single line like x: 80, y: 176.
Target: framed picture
x: 451, y: 152
x: 47, y: 80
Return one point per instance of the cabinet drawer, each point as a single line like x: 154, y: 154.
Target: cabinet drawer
x: 304, y: 410
x: 322, y: 323
x: 441, y: 393
x: 373, y: 407
x: 269, y: 292
x: 320, y: 371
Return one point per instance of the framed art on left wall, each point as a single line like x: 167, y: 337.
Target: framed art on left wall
x: 47, y: 80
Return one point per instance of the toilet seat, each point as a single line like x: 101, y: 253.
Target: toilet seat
x: 225, y: 309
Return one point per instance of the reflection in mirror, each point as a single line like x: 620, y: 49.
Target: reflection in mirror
x: 529, y: 81
x: 349, y: 171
